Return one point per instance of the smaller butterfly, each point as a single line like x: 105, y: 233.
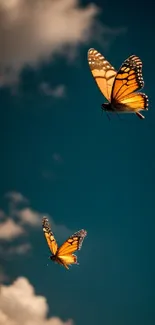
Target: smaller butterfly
x: 64, y: 254
x: 119, y: 88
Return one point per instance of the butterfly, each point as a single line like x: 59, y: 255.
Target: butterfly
x: 119, y: 87
x: 64, y: 254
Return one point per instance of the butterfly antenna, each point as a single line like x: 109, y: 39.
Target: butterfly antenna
x: 108, y: 116
x: 118, y: 116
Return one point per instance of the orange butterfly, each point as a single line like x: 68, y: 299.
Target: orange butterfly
x: 64, y: 254
x: 119, y: 87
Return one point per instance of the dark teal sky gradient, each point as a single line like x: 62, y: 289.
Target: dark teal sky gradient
x: 106, y: 183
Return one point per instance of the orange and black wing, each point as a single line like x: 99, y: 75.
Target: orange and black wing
x: 136, y: 102
x: 65, y: 251
x: 128, y: 79
x: 49, y: 236
x: 102, y: 71
x: 73, y: 243
x: 67, y: 260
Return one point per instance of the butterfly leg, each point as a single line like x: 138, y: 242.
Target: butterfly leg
x: 140, y: 115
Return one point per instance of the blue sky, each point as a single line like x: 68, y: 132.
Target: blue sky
x: 75, y: 166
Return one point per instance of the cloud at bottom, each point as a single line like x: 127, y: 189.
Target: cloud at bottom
x: 20, y: 305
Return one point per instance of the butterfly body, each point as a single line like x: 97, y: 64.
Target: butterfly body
x: 56, y: 259
x: 116, y: 107
x: 63, y: 255
x: 119, y: 88
x: 109, y: 107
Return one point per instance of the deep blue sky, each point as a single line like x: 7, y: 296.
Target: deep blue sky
x: 105, y: 183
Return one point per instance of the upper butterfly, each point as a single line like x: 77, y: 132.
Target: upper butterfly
x: 119, y: 87
x: 64, y: 254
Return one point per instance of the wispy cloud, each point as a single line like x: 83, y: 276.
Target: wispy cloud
x: 14, y: 224
x: 16, y: 197
x: 19, y: 249
x: 35, y: 30
x: 57, y: 92
x: 19, y: 221
x: 57, y: 157
x: 30, y: 217
x: 10, y: 230
x: 20, y: 295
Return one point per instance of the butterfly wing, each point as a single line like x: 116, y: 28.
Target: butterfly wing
x: 102, y: 71
x: 66, y: 260
x: 73, y: 243
x: 128, y: 79
x: 49, y: 236
x: 136, y: 102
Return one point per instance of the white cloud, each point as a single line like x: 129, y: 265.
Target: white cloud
x: 10, y: 230
x: 13, y: 196
x: 19, y: 249
x: 34, y: 219
x: 30, y: 217
x: 26, y: 214
x: 20, y: 296
x: 57, y: 92
x: 57, y: 157
x: 35, y: 30
x: 20, y: 221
